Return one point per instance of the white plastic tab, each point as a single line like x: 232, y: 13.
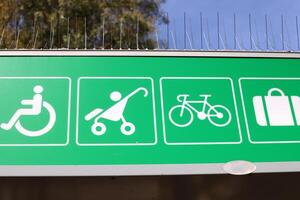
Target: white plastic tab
x: 239, y: 167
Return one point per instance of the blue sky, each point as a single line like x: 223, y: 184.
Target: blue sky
x: 289, y: 9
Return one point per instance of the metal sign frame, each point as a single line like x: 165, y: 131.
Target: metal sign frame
x: 151, y: 169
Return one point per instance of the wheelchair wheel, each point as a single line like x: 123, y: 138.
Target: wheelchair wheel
x: 46, y: 129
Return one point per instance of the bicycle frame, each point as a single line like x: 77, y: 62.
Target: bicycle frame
x: 205, y: 103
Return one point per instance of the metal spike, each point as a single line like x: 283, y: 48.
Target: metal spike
x: 174, y: 41
x: 256, y: 43
x: 208, y: 35
x: 17, y: 40
x: 201, y: 31
x: 103, y: 32
x: 206, y: 39
x: 46, y: 44
x: 111, y: 39
x: 31, y: 41
x: 137, y: 33
x: 238, y: 43
x: 175, y: 33
x: 157, y: 39
x: 35, y: 39
x: 68, y: 34
x: 218, y: 29
x: 121, y: 32
x: 222, y: 41
x: 288, y: 44
x: 297, y: 29
x: 191, y: 31
x: 128, y: 41
x: 168, y: 32
x: 52, y: 40
x: 85, y: 34
x: 250, y: 32
x: 282, y: 33
x: 242, y: 43
x: 267, y: 35
x: 234, y: 32
x: 272, y: 34
x: 50, y: 36
x: 184, y: 29
x: 225, y: 35
x: 2, y: 35
x: 189, y: 39
x: 16, y: 30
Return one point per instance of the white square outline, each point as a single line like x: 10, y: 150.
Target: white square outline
x: 199, y: 78
x: 119, y: 144
x: 69, y: 107
x: 245, y: 114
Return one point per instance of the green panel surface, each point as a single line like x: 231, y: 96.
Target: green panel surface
x: 144, y: 91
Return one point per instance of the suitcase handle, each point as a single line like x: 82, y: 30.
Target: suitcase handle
x: 275, y: 90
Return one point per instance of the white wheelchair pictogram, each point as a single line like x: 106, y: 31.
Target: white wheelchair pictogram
x: 37, y: 104
x: 182, y: 115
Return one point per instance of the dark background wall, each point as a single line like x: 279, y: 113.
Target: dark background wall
x: 201, y: 187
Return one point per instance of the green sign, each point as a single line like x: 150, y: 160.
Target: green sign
x: 64, y: 113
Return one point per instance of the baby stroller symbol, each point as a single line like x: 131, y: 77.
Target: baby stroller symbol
x: 114, y: 113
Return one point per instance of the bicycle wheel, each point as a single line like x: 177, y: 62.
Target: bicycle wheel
x: 219, y: 115
x: 181, y: 121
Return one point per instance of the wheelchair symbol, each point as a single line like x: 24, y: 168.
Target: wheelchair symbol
x: 37, y: 104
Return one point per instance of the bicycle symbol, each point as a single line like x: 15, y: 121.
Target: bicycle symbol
x: 182, y: 115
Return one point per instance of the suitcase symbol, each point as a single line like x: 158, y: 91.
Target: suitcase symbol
x: 277, y: 110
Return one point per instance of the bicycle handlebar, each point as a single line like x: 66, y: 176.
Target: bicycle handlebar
x: 205, y: 95
x: 183, y: 97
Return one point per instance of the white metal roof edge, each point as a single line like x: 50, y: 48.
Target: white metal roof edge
x: 150, y: 53
x: 137, y: 170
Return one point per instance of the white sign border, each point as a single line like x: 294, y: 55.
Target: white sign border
x: 199, y: 143
x: 69, y: 107
x: 116, y: 144
x: 245, y: 113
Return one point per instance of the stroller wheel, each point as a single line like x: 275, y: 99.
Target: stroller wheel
x: 98, y: 128
x: 127, y: 128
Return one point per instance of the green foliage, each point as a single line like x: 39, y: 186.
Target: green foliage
x: 61, y: 23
